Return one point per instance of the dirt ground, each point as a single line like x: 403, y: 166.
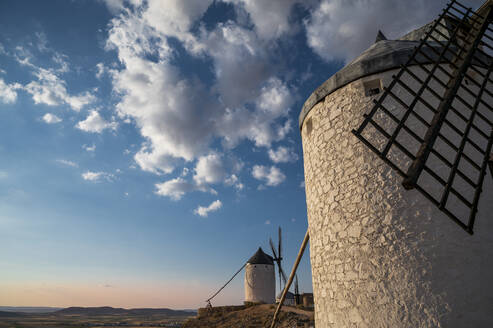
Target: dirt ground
x: 258, y: 316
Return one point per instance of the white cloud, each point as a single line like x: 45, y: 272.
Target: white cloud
x: 241, y: 62
x: 176, y: 188
x: 175, y: 17
x: 97, y: 176
x: 175, y: 116
x: 100, y: 70
x: 273, y: 103
x: 89, y: 148
x: 270, y: 18
x: 114, y: 6
x: 271, y: 176
x: 341, y: 29
x: 215, y: 168
x: 282, y: 155
x: 209, y: 169
x: 23, y: 56
x: 204, y: 211
x: 61, y: 61
x: 51, y: 118
x: 179, y: 117
x: 95, y: 123
x: 47, y: 87
x: 67, y: 162
x: 50, y: 90
x: 283, y: 130
x: 233, y: 180
x: 42, y: 41
x: 267, y: 222
x: 275, y: 98
x: 8, y: 95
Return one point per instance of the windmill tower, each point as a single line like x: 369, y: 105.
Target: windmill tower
x: 394, y: 145
x: 260, y: 279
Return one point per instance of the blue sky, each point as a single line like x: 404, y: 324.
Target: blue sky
x: 147, y: 148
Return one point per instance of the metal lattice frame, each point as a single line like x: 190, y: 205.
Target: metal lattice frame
x: 444, y: 132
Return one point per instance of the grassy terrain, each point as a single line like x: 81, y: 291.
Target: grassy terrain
x: 50, y: 320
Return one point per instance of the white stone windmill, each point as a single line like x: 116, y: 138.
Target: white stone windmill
x: 383, y: 255
x: 260, y: 279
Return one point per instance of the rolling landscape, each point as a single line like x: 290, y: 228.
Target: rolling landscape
x: 93, y: 317
x: 217, y: 317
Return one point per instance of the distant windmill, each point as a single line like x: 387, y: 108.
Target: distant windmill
x: 278, y: 259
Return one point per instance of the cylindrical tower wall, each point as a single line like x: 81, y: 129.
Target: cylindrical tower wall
x: 260, y: 283
x: 382, y: 256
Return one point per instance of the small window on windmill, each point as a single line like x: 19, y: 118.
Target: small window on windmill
x: 372, y: 87
x: 308, y: 126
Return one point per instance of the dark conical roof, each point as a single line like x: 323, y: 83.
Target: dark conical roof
x: 261, y: 258
x: 380, y: 36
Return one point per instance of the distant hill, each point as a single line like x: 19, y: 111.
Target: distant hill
x: 190, y: 310
x: 107, y: 310
x: 9, y: 314
x: 29, y: 309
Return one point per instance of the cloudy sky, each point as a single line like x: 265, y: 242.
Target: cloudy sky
x: 147, y: 148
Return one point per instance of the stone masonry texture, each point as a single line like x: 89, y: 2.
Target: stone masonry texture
x: 382, y: 256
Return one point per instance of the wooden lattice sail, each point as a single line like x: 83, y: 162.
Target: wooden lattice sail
x: 433, y: 123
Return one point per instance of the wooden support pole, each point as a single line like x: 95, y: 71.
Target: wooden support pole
x: 291, y: 277
x: 208, y: 301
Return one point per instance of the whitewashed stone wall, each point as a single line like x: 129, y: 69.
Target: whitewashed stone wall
x: 260, y: 283
x: 382, y: 256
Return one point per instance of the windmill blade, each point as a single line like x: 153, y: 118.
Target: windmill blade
x: 282, y: 274
x: 280, y: 244
x: 490, y: 163
x: 273, y: 249
x: 433, y: 124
